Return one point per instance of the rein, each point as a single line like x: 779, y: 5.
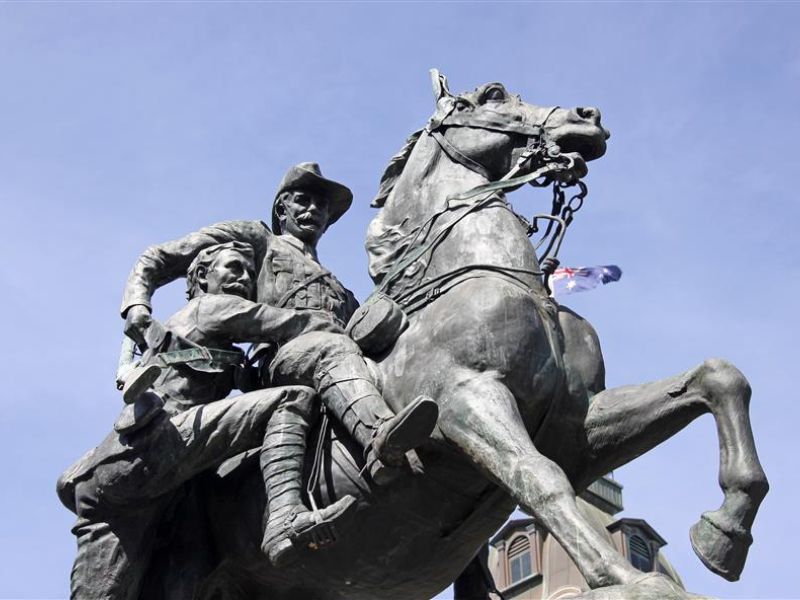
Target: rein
x: 551, y: 163
x: 430, y: 290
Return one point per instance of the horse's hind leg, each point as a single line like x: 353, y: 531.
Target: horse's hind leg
x: 625, y: 422
x: 479, y: 415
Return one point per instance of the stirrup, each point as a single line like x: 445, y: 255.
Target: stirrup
x: 303, y: 528
x: 408, y: 429
x: 379, y: 471
x: 383, y: 474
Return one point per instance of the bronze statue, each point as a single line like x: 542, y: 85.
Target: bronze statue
x: 183, y: 426
x: 524, y: 416
x: 289, y: 275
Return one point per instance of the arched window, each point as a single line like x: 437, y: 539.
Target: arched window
x: 520, y: 564
x: 640, y: 554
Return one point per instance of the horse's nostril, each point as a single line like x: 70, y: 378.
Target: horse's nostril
x: 589, y: 113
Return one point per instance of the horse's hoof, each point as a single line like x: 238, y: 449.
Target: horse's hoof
x: 721, y: 545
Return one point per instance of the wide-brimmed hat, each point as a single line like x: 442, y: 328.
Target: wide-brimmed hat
x: 308, y: 176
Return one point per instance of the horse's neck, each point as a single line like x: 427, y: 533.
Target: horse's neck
x: 491, y: 236
x: 426, y: 182
x: 419, y: 193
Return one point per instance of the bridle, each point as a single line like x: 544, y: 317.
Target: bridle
x: 550, y: 163
x: 538, y: 145
x: 451, y: 118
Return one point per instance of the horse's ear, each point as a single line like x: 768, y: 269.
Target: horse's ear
x: 439, y: 83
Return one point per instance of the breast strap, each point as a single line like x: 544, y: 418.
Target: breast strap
x: 281, y: 303
x: 428, y: 291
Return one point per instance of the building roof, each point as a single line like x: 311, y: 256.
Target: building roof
x: 641, y: 524
x: 605, y: 493
x: 512, y: 525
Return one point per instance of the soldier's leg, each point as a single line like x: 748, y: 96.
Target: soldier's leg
x: 275, y: 420
x: 204, y: 436
x: 119, y: 505
x: 114, y: 546
x: 165, y: 453
x: 333, y: 364
x: 291, y: 523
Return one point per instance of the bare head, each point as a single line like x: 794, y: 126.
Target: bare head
x: 222, y: 269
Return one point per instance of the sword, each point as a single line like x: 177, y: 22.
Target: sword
x: 129, y: 352
x: 127, y: 360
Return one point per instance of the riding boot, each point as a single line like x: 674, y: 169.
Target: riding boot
x: 349, y: 393
x: 291, y: 524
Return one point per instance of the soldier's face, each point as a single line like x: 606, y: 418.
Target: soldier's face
x: 305, y: 215
x: 230, y: 273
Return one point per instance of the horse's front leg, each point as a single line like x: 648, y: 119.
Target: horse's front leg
x: 625, y: 422
x: 479, y: 415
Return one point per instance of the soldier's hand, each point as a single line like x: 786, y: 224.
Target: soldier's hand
x: 137, y: 321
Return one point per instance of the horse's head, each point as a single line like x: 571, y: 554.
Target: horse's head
x: 491, y: 127
x: 498, y: 137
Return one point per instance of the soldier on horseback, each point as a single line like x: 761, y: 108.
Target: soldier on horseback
x: 290, y: 276
x: 179, y: 424
x: 526, y: 418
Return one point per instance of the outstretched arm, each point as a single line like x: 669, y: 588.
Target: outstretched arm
x: 224, y: 316
x: 163, y: 263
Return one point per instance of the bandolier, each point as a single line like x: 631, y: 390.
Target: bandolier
x: 291, y: 278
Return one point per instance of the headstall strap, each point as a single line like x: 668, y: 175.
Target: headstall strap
x: 457, y: 156
x: 551, y: 160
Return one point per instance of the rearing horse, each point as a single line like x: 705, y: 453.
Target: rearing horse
x: 524, y: 414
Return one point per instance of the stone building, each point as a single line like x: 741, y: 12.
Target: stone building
x: 529, y: 564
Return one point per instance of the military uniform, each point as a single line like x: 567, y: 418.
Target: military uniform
x: 289, y: 274
x: 120, y: 489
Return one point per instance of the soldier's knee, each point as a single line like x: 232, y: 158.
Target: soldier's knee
x: 300, y: 398
x: 321, y: 344
x: 267, y: 400
x: 298, y: 361
x: 334, y: 344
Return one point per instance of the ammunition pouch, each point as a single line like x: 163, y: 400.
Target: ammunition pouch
x: 376, y: 324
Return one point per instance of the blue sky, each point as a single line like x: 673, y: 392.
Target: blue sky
x: 125, y: 124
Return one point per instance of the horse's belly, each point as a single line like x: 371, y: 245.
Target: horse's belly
x: 411, y: 540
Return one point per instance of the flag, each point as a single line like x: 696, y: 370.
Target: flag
x: 567, y: 280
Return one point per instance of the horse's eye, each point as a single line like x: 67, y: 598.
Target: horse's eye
x: 494, y: 94
x: 462, y: 104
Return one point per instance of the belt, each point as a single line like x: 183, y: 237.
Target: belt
x: 213, y: 356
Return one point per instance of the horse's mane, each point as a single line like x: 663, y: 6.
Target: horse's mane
x: 395, y: 168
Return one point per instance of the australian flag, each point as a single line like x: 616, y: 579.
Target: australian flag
x: 567, y: 280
